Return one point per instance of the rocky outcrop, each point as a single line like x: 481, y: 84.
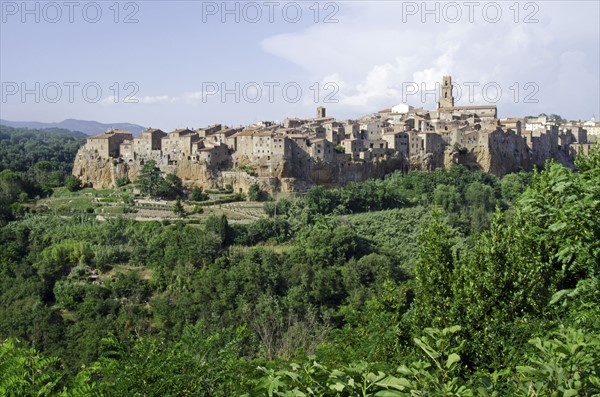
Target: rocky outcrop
x: 94, y: 170
x: 283, y: 176
x: 499, y: 158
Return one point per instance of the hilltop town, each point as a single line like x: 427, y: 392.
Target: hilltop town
x: 298, y: 153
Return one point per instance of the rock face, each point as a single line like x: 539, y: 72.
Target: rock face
x: 499, y: 157
x: 285, y: 176
x: 94, y: 170
x: 491, y: 160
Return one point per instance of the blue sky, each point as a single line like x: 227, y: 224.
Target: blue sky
x: 176, y: 59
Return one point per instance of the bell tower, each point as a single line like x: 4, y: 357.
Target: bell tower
x: 446, y: 98
x: 321, y: 112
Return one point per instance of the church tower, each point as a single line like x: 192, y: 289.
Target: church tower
x: 446, y: 98
x: 321, y: 112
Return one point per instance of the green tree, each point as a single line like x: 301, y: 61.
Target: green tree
x: 198, y: 195
x: 151, y: 182
x: 122, y: 181
x: 219, y: 226
x: 254, y: 192
x: 173, y: 186
x: 149, y: 179
x: 434, y: 276
x: 447, y: 198
x: 72, y: 183
x: 178, y: 209
x: 11, y: 186
x: 565, y: 365
x: 26, y: 372
x: 513, y: 185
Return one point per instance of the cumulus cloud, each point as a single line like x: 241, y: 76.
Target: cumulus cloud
x: 376, y: 49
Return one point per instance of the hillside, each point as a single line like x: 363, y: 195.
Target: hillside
x: 85, y: 126
x: 21, y: 148
x: 451, y: 282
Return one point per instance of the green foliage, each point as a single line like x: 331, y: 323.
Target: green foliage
x: 153, y: 184
x: 336, y: 295
x: 149, y: 179
x: 171, y: 187
x: 434, y: 276
x: 447, y: 197
x: 72, y: 183
x: 438, y: 374
x: 262, y: 230
x: 513, y: 185
x: 198, y: 195
x: 566, y: 365
x: 21, y: 148
x: 197, y: 365
x: 579, y: 306
x: 248, y: 169
x: 25, y: 372
x: 255, y: 193
x: 178, y: 209
x: 122, y: 181
x: 562, y: 211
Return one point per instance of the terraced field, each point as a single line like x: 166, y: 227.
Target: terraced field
x: 108, y: 203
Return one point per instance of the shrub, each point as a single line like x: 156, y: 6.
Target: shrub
x: 72, y: 183
x: 122, y: 181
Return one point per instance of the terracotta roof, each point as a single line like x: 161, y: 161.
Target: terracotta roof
x: 110, y: 133
x: 244, y: 133
x: 228, y: 132
x: 151, y: 130
x: 182, y: 131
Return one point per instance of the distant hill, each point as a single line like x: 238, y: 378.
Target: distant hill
x: 87, y: 127
x: 22, y: 148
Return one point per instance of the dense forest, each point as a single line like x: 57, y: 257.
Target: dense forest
x: 444, y: 283
x: 32, y: 163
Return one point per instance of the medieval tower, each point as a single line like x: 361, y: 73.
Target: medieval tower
x: 321, y: 112
x: 446, y: 98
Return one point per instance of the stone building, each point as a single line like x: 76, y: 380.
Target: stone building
x: 179, y: 143
x: 262, y: 145
x: 126, y: 150
x: 107, y: 144
x: 300, y: 152
x: 593, y: 128
x: 149, y: 141
x: 397, y: 140
x: 446, y: 98
x: 322, y: 150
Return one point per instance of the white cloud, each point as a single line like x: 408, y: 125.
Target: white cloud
x: 161, y: 99
x: 371, y: 52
